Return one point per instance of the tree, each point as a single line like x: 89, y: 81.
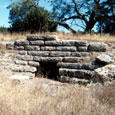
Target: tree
x: 26, y: 15
x: 83, y: 13
x: 108, y: 23
x: 38, y: 20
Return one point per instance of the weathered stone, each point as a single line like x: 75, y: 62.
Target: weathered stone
x: 81, y: 43
x: 3, y: 44
x: 48, y: 48
x: 32, y: 48
x: 97, y: 47
x: 30, y: 69
x: 82, y: 49
x: 68, y: 42
x: 20, y: 77
x: 22, y: 52
x: 53, y: 43
x: 105, y: 59
x: 74, y: 80
x: 37, y: 42
x: 37, y: 58
x: 24, y: 69
x: 51, y: 59
x: 71, y: 59
x: 19, y: 62
x: 24, y: 57
x: 10, y: 45
x: 66, y: 48
x: 17, y: 68
x: 38, y: 53
x: 81, y: 54
x: 106, y: 73
x: 41, y: 37
x: 21, y: 42
x: 83, y: 74
x: 48, y: 59
x: 86, y: 66
x: 52, y: 37
x: 59, y: 54
x: 34, y: 37
x: 19, y: 47
x: 33, y: 63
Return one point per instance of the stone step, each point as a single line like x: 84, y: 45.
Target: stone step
x: 74, y: 80
x: 82, y: 74
x: 76, y: 59
x: 21, y: 76
x: 20, y: 68
x: 85, y: 66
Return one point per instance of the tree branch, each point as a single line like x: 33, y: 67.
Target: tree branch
x: 76, y: 9
x: 67, y: 27
x: 72, y: 17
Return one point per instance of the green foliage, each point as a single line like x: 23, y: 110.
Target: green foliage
x: 85, y: 14
x: 26, y: 15
x: 38, y: 20
x: 3, y: 29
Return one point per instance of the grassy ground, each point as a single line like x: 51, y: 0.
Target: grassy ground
x: 61, y: 35
x: 45, y: 97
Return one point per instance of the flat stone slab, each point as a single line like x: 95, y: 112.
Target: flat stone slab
x: 106, y: 73
x: 20, y: 77
x: 105, y: 59
x: 97, y: 47
x: 74, y: 80
x: 82, y: 74
x: 41, y: 37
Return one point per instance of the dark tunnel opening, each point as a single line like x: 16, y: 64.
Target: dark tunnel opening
x: 48, y: 70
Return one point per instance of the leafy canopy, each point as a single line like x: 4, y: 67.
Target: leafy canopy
x: 26, y: 15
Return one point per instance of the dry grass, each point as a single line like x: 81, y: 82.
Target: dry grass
x: 61, y: 35
x: 46, y: 97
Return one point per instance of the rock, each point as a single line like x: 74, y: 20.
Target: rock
x: 38, y: 53
x: 32, y: 63
x: 86, y: 66
x: 68, y: 42
x: 24, y: 57
x: 105, y: 59
x: 21, y: 42
x: 66, y: 48
x: 81, y: 43
x: 37, y: 42
x: 48, y: 48
x: 74, y: 80
x: 47, y: 59
x: 24, y: 69
x: 97, y: 47
x: 19, y: 62
x: 19, y: 47
x: 59, y: 54
x: 32, y: 48
x: 20, y: 77
x: 82, y: 74
x: 106, y: 73
x: 82, y: 49
x: 22, y: 52
x: 41, y: 37
x: 10, y: 45
x: 53, y: 43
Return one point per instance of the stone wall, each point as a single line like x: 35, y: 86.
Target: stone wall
x: 75, y: 59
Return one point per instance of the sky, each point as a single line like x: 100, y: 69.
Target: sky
x: 4, y: 12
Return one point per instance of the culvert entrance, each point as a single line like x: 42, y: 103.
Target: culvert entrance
x: 48, y: 70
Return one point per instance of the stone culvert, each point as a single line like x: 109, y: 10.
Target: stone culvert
x: 65, y: 60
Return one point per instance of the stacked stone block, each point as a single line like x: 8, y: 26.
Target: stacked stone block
x: 73, y: 57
